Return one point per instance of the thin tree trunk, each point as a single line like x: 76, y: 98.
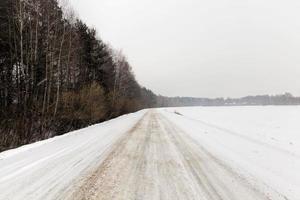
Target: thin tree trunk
x: 59, y: 72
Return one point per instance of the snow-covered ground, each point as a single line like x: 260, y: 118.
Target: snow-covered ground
x: 262, y: 143
x: 228, y: 153
x: 46, y: 169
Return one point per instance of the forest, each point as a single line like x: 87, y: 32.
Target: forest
x: 281, y: 99
x: 57, y: 75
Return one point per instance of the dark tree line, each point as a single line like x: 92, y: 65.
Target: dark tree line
x: 284, y: 99
x: 57, y: 75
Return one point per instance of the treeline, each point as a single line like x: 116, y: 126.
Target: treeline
x: 57, y: 75
x: 284, y: 99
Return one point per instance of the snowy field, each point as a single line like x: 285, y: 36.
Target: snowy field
x: 260, y: 142
x: 228, y: 153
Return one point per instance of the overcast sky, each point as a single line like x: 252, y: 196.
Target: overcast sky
x: 204, y: 48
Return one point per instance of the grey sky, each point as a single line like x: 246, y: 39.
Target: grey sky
x: 203, y: 48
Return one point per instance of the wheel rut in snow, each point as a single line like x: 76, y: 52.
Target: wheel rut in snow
x: 156, y: 160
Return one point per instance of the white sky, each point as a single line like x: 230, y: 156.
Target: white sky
x: 204, y: 48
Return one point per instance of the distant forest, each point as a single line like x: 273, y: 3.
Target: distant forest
x: 57, y: 75
x: 284, y: 99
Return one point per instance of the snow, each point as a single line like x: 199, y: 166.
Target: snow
x: 262, y: 143
x: 240, y: 150
x: 43, y: 169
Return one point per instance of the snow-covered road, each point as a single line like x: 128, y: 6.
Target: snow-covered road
x: 158, y: 154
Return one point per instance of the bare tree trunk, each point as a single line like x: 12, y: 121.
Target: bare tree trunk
x: 46, y: 70
x: 117, y: 71
x: 36, y: 47
x: 21, y: 32
x: 59, y: 71
x: 11, y: 61
x: 69, y: 58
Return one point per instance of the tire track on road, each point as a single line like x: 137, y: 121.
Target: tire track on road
x: 156, y: 160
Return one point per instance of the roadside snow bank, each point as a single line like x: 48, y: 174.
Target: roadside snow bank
x: 45, y: 169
